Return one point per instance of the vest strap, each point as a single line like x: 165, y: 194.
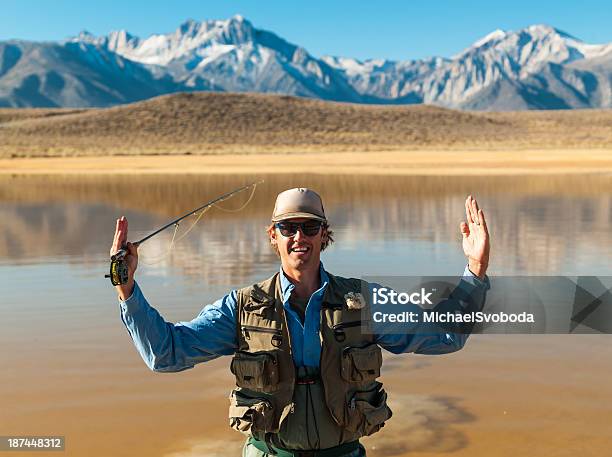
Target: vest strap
x: 336, y: 451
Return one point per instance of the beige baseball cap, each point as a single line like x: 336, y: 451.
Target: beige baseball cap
x: 298, y: 202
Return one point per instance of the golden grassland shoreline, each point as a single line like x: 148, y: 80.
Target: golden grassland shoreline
x: 410, y: 163
x: 224, y: 123
x: 213, y: 133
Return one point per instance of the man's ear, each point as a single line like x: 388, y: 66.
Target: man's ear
x: 272, y: 234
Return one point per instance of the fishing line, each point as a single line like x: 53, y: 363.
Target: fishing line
x: 176, y: 240
x: 216, y: 205
x: 118, y: 266
x: 242, y: 207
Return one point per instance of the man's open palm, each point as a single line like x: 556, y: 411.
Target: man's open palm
x: 475, y: 233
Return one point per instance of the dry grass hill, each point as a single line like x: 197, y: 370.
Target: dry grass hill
x: 210, y: 123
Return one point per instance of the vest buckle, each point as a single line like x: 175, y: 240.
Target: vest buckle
x: 339, y: 335
x: 277, y: 341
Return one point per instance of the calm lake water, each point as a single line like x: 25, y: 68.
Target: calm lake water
x: 69, y: 367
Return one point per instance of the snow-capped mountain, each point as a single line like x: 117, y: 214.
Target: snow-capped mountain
x: 504, y: 70
x: 230, y: 55
x: 75, y: 74
x: 208, y: 39
x: 538, y: 67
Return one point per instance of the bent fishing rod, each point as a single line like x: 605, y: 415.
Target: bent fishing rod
x: 119, y: 266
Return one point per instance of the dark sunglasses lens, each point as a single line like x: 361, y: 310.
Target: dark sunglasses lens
x: 287, y: 229
x: 290, y: 229
x: 311, y: 228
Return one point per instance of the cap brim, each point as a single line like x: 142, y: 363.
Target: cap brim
x: 284, y: 217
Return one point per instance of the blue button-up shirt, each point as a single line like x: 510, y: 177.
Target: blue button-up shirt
x: 171, y: 347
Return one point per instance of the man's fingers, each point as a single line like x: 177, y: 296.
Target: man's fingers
x: 115, y: 244
x: 481, y: 219
x: 474, y: 208
x: 123, y: 231
x: 117, y: 229
x: 468, y: 211
x: 120, y: 237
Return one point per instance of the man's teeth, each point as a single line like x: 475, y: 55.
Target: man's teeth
x: 299, y: 249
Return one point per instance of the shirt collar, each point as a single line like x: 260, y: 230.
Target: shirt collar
x: 287, y: 286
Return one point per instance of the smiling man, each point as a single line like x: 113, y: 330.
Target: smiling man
x: 306, y: 370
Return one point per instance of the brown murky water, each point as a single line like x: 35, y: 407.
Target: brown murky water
x: 69, y: 367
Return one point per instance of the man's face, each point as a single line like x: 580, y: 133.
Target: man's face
x: 299, y: 251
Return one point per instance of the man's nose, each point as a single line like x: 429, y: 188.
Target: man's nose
x: 298, y: 234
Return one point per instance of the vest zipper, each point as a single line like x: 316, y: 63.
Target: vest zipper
x: 338, y: 329
x: 277, y: 337
x: 343, y: 325
x: 262, y: 329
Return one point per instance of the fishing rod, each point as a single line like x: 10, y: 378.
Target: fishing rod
x: 119, y: 267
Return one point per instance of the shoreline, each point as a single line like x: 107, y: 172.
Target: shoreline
x: 408, y: 163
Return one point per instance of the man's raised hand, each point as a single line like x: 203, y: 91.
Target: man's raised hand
x: 475, y: 238
x: 119, y: 242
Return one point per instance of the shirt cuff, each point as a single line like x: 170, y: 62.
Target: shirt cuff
x: 132, y: 303
x: 475, y: 280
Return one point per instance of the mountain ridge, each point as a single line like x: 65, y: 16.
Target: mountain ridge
x: 537, y: 67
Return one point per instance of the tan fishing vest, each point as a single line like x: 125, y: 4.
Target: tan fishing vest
x: 266, y: 375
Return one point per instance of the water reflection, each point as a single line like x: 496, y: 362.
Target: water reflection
x: 54, y: 242
x: 538, y: 225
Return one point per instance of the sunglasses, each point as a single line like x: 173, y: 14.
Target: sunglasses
x: 310, y: 228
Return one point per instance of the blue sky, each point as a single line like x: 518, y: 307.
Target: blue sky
x: 387, y: 29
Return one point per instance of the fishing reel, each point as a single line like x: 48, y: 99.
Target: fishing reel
x: 118, y: 268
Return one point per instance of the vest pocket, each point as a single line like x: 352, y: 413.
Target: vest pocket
x: 263, y: 308
x: 256, y: 371
x: 368, y: 410
x: 248, y: 414
x: 361, y: 364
